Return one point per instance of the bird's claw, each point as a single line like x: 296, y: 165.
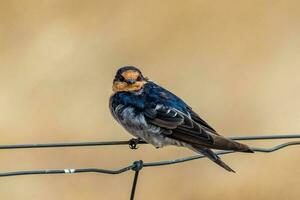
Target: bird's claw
x: 133, y: 143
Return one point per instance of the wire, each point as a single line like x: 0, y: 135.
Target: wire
x: 137, y: 165
x: 71, y: 144
x: 133, y: 166
x: 266, y: 137
x: 110, y: 143
x: 190, y: 158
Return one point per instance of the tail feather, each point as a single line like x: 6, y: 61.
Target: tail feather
x: 223, y: 143
x: 212, y: 156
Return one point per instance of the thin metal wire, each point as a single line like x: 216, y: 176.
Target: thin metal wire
x: 65, y: 144
x: 136, y: 175
x: 266, y: 137
x: 147, y: 164
x: 66, y: 171
x: 190, y: 158
x: 137, y: 165
x: 109, y: 143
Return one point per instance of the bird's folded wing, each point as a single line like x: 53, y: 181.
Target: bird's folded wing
x: 200, y: 121
x: 178, y: 125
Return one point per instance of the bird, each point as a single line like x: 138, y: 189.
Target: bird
x: 155, y: 115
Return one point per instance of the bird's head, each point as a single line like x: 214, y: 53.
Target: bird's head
x: 128, y: 79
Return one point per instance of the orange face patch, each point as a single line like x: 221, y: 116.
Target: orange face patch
x: 124, y: 87
x: 130, y: 74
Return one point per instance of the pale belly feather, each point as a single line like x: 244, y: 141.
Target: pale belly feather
x: 136, y: 124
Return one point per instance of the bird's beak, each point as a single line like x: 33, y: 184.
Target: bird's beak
x: 131, y: 81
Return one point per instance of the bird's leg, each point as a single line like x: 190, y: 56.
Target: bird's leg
x: 134, y: 142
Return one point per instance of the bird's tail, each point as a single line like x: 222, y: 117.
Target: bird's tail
x: 223, y: 143
x: 212, y: 156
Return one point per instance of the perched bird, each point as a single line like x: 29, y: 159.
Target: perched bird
x: 153, y: 114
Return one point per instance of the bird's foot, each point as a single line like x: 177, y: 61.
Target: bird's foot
x: 134, y: 142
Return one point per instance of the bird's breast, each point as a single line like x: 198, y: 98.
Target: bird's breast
x: 136, y: 124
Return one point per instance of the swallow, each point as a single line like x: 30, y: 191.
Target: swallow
x: 155, y: 115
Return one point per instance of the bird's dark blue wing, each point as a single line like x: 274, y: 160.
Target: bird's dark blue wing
x: 160, y: 96
x: 178, y: 125
x: 200, y: 121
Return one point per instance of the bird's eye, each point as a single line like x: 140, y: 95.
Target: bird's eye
x: 139, y: 78
x: 122, y: 79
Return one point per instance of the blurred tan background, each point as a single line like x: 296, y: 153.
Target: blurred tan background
x: 235, y: 62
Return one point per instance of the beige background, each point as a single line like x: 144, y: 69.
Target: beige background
x: 235, y: 62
